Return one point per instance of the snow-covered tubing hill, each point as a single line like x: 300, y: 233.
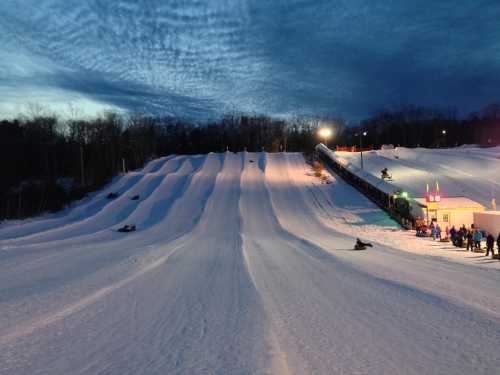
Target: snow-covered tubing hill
x: 470, y: 171
x: 243, y: 264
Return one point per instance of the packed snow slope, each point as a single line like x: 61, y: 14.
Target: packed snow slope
x: 241, y: 264
x: 470, y: 171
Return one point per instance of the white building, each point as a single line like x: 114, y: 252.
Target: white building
x: 489, y: 221
x: 447, y: 211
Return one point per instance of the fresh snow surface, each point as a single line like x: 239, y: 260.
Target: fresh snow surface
x: 241, y: 264
x: 472, y: 172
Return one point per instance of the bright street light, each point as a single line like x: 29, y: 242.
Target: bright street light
x: 361, y: 145
x: 325, y: 134
x: 443, y: 132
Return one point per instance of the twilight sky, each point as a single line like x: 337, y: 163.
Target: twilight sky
x: 201, y: 58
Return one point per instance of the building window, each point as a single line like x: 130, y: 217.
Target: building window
x: 446, y: 218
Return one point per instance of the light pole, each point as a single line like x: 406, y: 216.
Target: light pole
x: 443, y: 132
x: 361, y: 135
x: 325, y: 134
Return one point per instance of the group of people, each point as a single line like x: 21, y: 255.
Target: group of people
x: 433, y: 230
x: 469, y: 238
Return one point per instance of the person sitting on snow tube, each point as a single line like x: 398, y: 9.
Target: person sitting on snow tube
x: 384, y: 173
x: 127, y: 228
x: 360, y: 245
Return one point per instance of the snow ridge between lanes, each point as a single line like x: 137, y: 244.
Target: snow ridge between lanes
x: 98, y: 262
x: 253, y: 170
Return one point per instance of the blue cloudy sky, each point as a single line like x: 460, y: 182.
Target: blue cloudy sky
x: 202, y: 58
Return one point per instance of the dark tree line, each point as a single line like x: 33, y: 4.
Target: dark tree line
x: 46, y: 162
x: 425, y: 127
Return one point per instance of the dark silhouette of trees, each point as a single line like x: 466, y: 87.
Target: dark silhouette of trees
x: 427, y: 127
x: 46, y: 162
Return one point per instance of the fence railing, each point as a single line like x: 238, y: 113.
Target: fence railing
x: 353, y: 148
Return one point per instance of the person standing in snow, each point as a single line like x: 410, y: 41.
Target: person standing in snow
x: 433, y: 232
x: 453, y: 235
x: 438, y: 232
x: 460, y: 238
x: 470, y: 241
x: 477, y: 239
x: 498, y: 245
x: 464, y: 232
x: 490, y: 242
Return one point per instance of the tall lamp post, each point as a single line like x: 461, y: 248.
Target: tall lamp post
x: 443, y: 132
x: 361, y: 135
x: 325, y: 134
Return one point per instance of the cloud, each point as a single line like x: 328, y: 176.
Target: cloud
x: 201, y: 59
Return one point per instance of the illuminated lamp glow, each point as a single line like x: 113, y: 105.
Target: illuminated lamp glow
x: 325, y: 133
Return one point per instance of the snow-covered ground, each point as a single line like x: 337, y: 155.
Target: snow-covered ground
x: 241, y: 264
x: 471, y: 171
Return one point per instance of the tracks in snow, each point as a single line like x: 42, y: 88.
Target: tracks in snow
x: 234, y: 271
